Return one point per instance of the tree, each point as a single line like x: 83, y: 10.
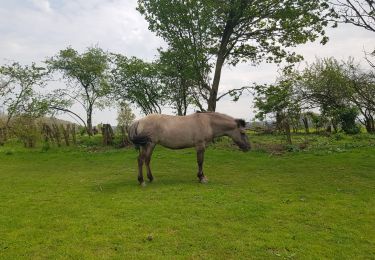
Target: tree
x: 357, y: 12
x: 125, y: 115
x: 280, y: 101
x: 138, y: 82
x: 86, y: 77
x: 348, y: 116
x: 324, y: 85
x: 220, y: 31
x: 179, y: 79
x: 339, y: 90
x: 362, y: 94
x: 18, y: 90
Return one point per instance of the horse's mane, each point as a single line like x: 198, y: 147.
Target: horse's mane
x: 240, y: 122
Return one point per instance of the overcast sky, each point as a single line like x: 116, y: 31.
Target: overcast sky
x: 31, y: 30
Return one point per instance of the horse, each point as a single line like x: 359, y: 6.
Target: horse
x: 178, y: 132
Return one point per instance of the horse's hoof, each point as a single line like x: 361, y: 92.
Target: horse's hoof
x: 203, y: 180
x: 143, y: 184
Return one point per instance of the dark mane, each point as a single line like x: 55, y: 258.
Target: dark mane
x: 240, y: 122
x: 203, y: 111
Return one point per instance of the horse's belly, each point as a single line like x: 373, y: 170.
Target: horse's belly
x: 176, y: 145
x: 178, y: 139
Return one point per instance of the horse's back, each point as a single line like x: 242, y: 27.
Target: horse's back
x: 174, y: 131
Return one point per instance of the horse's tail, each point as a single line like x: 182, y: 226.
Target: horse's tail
x: 136, y: 138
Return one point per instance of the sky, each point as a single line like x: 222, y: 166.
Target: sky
x: 32, y: 30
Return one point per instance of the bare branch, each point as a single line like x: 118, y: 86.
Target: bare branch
x: 233, y: 91
x: 68, y: 111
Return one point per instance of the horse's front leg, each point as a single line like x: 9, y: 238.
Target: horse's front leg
x: 200, y: 159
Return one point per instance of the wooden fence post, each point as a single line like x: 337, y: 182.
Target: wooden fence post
x: 107, y: 133
x: 56, y: 134
x: 66, y: 132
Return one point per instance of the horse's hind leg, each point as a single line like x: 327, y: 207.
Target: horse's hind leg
x: 148, y: 153
x: 141, y: 158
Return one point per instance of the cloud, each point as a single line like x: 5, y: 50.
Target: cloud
x: 28, y: 35
x: 42, y: 5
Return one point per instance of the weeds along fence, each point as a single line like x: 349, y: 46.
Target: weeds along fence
x: 32, y: 132
x: 58, y: 134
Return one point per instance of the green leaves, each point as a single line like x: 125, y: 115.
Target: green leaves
x: 138, y: 82
x: 236, y: 31
x: 276, y: 99
x: 89, y: 68
x: 18, y: 91
x: 87, y: 77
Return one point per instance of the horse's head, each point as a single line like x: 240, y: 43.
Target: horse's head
x: 239, y: 135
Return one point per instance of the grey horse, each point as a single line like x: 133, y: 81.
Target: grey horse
x: 178, y: 132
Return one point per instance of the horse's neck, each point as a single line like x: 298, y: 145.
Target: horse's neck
x: 220, y: 125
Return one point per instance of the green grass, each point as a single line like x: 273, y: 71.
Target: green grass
x: 77, y: 204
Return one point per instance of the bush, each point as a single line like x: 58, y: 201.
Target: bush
x: 26, y: 130
x: 347, y: 118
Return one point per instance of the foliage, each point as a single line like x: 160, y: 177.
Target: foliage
x: 319, y: 121
x: 362, y: 94
x: 347, y: 117
x: 138, y: 82
x: 274, y: 99
x: 25, y: 128
x: 324, y: 84
x: 280, y: 101
x: 18, y: 90
x: 215, y: 32
x: 86, y: 77
x: 180, y: 79
x: 125, y: 115
x: 335, y: 86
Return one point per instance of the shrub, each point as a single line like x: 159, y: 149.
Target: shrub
x: 347, y: 118
x: 26, y: 130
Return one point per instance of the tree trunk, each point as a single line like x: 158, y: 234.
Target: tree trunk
x: 287, y: 131
x: 215, y: 84
x: 179, y: 110
x: 89, y: 125
x: 124, y: 137
x: 47, y: 133
x: 3, y: 136
x: 66, y: 133
x: 56, y: 134
x: 234, y: 16
x: 369, y: 124
x: 89, y: 120
x: 73, y: 132
x: 334, y: 125
x: 305, y: 121
x: 279, y: 122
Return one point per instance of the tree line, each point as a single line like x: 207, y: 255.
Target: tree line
x: 340, y: 90
x: 202, y: 37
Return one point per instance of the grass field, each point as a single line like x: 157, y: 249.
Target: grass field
x: 83, y: 204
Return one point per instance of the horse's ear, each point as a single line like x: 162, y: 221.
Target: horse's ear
x: 240, y: 122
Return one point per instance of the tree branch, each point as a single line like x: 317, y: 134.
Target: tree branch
x: 68, y: 111
x: 233, y: 91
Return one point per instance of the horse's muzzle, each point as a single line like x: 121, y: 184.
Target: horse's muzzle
x: 245, y: 148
